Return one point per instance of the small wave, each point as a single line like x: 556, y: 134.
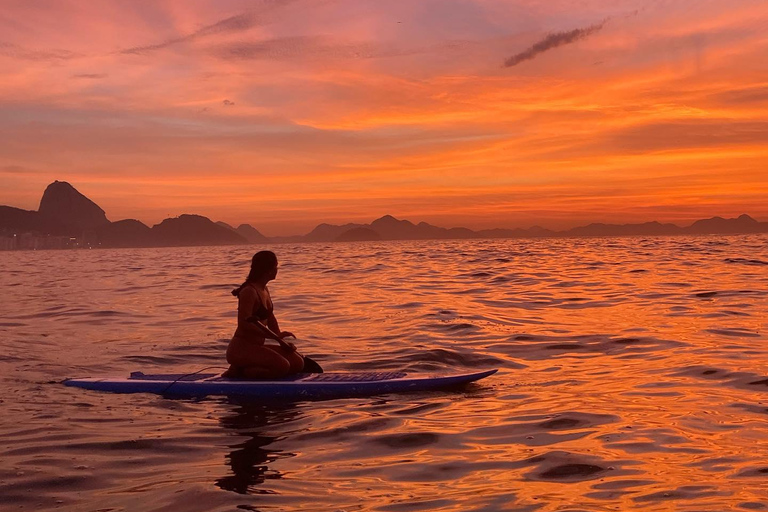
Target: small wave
x: 572, y: 467
x: 532, y: 347
x: 734, y: 333
x: 686, y: 492
x: 745, y: 261
x: 738, y: 380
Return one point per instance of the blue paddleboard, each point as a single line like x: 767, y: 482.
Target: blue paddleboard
x: 300, y: 386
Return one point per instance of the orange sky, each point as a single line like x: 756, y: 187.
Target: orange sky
x: 284, y: 114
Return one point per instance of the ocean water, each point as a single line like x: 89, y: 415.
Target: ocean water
x: 633, y: 375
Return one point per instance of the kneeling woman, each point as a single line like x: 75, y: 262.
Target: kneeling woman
x: 248, y: 354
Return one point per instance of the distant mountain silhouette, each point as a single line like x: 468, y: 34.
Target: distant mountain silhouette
x: 358, y: 235
x: 390, y: 228
x: 647, y: 228
x: 18, y: 220
x: 62, y: 204
x: 126, y: 233
x: 66, y: 212
x: 251, y: 234
x: 742, y: 224
x: 193, y: 230
x: 327, y: 232
x: 247, y: 231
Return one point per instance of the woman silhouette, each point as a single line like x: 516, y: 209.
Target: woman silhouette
x: 248, y: 354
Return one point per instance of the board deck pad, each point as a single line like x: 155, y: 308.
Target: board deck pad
x: 299, y: 386
x: 304, y: 377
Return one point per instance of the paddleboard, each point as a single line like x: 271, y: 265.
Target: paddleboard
x: 300, y: 386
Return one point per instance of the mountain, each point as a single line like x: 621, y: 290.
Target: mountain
x: 645, y: 229
x: 390, y: 228
x: 358, y: 235
x: 742, y: 224
x: 16, y: 220
x: 65, y: 212
x: 248, y: 232
x: 328, y: 232
x: 62, y: 204
x: 386, y: 228
x: 125, y: 233
x: 251, y: 234
x: 187, y: 229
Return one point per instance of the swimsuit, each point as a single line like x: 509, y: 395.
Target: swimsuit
x: 260, y: 311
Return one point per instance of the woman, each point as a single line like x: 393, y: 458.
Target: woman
x: 248, y: 354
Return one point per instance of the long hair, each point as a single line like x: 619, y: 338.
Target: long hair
x: 262, y: 262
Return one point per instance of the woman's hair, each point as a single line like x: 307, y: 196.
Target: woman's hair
x: 262, y: 262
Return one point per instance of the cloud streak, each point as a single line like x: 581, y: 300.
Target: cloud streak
x: 90, y: 76
x: 285, y: 48
x: 551, y: 42
x: 233, y: 24
x: 19, y: 52
x: 237, y: 23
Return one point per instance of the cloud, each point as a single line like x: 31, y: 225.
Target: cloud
x: 18, y: 52
x: 233, y: 24
x: 553, y: 41
x: 16, y: 169
x: 90, y: 76
x: 747, y: 96
x: 228, y: 103
x: 306, y: 46
x: 237, y: 23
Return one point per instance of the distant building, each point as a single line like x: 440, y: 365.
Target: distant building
x: 34, y: 241
x: 8, y: 243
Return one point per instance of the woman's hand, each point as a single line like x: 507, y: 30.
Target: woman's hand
x: 287, y: 345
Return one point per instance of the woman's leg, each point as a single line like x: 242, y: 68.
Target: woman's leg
x: 295, y: 359
x: 257, y: 362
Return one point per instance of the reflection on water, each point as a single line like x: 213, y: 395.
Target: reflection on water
x: 251, y: 456
x: 633, y: 375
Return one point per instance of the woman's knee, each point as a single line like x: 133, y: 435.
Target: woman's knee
x: 277, y: 362
x: 296, y: 362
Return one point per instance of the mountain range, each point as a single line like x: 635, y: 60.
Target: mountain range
x: 64, y: 211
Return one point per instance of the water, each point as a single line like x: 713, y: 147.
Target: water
x: 633, y: 376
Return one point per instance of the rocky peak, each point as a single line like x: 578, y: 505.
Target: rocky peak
x: 61, y: 202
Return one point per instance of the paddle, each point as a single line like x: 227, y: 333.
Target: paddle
x: 310, y: 365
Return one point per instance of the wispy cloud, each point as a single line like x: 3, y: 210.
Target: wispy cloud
x: 236, y: 23
x: 307, y: 46
x: 233, y: 24
x: 19, y: 52
x: 16, y: 169
x: 552, y: 41
x: 746, y: 96
x: 90, y: 76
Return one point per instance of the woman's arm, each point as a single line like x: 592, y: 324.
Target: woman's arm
x: 278, y: 337
x: 273, y: 325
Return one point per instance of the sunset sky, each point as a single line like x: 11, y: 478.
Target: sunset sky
x: 475, y: 113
